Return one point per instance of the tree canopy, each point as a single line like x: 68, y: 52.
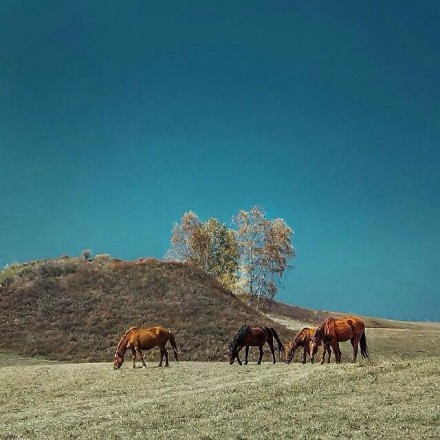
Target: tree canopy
x: 209, y: 245
x: 249, y: 260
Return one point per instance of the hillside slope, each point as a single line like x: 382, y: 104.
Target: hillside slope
x: 295, y: 317
x: 68, y: 309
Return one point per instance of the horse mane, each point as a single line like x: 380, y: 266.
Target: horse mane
x: 299, y: 337
x: 330, y: 327
x: 124, y: 338
x: 238, y: 336
x: 321, y: 330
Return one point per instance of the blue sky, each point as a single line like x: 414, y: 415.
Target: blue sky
x: 116, y: 118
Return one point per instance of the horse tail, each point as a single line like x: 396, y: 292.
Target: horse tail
x: 364, y: 346
x: 173, y: 344
x: 281, y: 348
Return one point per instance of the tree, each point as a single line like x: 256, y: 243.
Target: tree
x: 86, y: 253
x: 182, y: 239
x: 264, y: 247
x: 250, y: 260
x: 210, y: 245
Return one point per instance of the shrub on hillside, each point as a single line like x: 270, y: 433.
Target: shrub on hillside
x: 86, y: 253
x: 69, y: 267
x: 10, y: 272
x: 102, y: 258
x: 50, y: 270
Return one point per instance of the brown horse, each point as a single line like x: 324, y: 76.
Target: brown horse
x: 332, y: 331
x: 137, y: 339
x: 302, y: 339
x: 256, y: 337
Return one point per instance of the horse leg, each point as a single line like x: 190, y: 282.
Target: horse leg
x: 238, y: 359
x: 325, y: 347
x: 246, y: 354
x: 304, y: 355
x: 138, y: 351
x: 261, y: 354
x: 271, y: 350
x: 354, y: 342
x: 133, y: 357
x: 337, y: 351
x: 166, y: 357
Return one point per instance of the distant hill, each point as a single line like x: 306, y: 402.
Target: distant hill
x: 295, y: 317
x: 75, y: 310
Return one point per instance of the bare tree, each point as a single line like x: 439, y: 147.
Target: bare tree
x: 264, y: 246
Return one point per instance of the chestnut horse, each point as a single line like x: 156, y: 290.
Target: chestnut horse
x: 256, y: 337
x: 302, y: 339
x: 332, y: 331
x: 139, y: 338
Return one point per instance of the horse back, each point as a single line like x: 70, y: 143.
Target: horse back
x: 258, y: 335
x: 304, y: 336
x: 346, y: 328
x: 147, y: 338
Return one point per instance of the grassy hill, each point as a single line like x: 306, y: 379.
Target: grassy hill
x: 74, y: 310
x: 69, y: 309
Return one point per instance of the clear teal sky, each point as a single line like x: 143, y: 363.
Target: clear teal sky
x: 117, y: 117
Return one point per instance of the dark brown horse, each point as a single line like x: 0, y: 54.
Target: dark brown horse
x: 332, y: 331
x: 253, y: 337
x: 302, y: 339
x: 137, y: 339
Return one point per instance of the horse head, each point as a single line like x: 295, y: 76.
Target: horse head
x: 291, y: 347
x: 118, y: 360
x: 232, y: 353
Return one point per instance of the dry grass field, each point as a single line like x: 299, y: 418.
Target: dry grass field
x: 394, y: 394
x: 76, y: 311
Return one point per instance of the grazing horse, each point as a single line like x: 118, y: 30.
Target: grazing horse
x: 139, y: 338
x: 256, y: 337
x: 302, y: 339
x: 332, y: 331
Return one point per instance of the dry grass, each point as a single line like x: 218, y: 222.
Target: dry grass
x: 189, y: 400
x: 77, y: 311
x: 74, y: 310
x: 394, y: 394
